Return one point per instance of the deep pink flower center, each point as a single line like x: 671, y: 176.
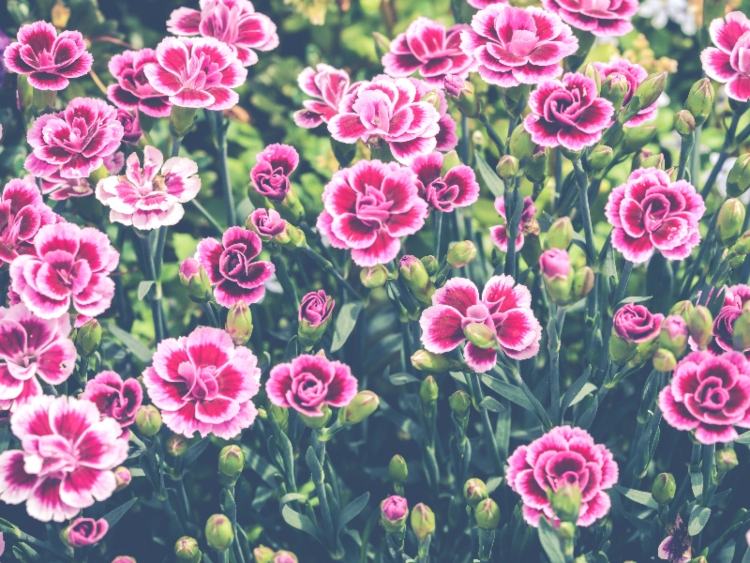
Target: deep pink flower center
x: 309, y: 389
x: 233, y: 263
x: 522, y: 42
x: 377, y: 116
x: 201, y: 381
x: 59, y: 454
x: 478, y: 313
x: 711, y: 395
x: 655, y: 210
x: 566, y: 468
x: 221, y: 21
x: 439, y: 191
x: 201, y: 73
x: 372, y: 207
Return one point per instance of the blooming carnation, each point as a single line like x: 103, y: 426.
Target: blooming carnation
x: 633, y: 74
x: 133, y: 91
x: 563, y: 456
x: 316, y: 308
x: 327, y: 86
x: 446, y: 137
x: 504, y: 307
x: 150, y: 197
x: 203, y: 383
x: 499, y: 233
x: 308, y: 383
x: 458, y: 187
x: 66, y: 462
x: 722, y: 329
x: 709, y: 395
x: 22, y: 214
x: 729, y: 62
x: 267, y: 223
x: 650, y: 212
x: 60, y: 189
x: 480, y: 4
x: 114, y: 397
x: 368, y: 207
x: 270, y: 176
x: 635, y: 323
x: 85, y: 531
x: 603, y: 18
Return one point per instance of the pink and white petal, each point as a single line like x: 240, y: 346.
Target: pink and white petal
x: 56, y: 362
x: 717, y: 65
x: 383, y: 250
x: 231, y: 428
x: 675, y: 414
x: 708, y: 434
x: 217, y: 410
x: 479, y: 359
x: 458, y: 293
x: 441, y: 329
x: 15, y: 484
x: 45, y: 504
x: 346, y: 127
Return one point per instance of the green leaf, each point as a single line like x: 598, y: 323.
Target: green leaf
x: 351, y: 511
x: 114, y: 516
x: 489, y: 177
x: 136, y: 347
x: 299, y: 522
x: 698, y: 518
x: 143, y: 288
x: 574, y: 390
x: 587, y: 389
x: 510, y: 392
x: 291, y: 497
x: 227, y: 504
x: 743, y: 438
x: 344, y: 152
x: 633, y: 299
x: 491, y: 404
x: 194, y: 451
x: 345, y: 323
x: 550, y: 542
x: 641, y: 497
x: 265, y: 470
x: 402, y: 379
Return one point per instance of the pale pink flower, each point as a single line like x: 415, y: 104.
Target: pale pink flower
x: 267, y: 223
x: 60, y: 189
x: 729, y: 61
x: 22, y: 214
x: 327, y: 86
x: 603, y: 18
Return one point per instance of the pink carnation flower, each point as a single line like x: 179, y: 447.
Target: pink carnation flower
x: 131, y: 125
x: 307, y: 383
x: 603, y: 18
x: 633, y: 74
x: 196, y: 73
x: 22, y: 214
x: 74, y: 141
x: 60, y: 189
x: 203, y: 383
x: 517, y: 46
x: 133, y: 91
x: 480, y: 4
x: 457, y: 188
x: 86, y: 531
x: 499, y: 233
x: 230, y: 266
x: 729, y: 61
x: 267, y: 223
x: 709, y: 395
x: 66, y: 462
x: 635, y: 323
x: 69, y: 265
x: 49, y: 60
x: 563, y: 456
x: 568, y: 113
x: 32, y: 348
x: 369, y: 207
x: 649, y: 212
x: 270, y: 176
x: 150, y: 197
x: 446, y: 137
x: 504, y: 307
x: 427, y: 47
x: 388, y: 109
x: 114, y: 397
x: 327, y: 86
x: 722, y: 329
x: 234, y: 22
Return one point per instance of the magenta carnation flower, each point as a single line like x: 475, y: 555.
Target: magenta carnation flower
x: 66, y: 462
x: 480, y: 4
x: 307, y: 383
x: 203, y: 383
x: 446, y: 137
x: 133, y: 91
x: 369, y: 207
x: 31, y: 349
x: 22, y: 214
x: 327, y: 86
x: 729, y: 62
x: 150, y: 197
x: 131, y: 126
x: 633, y: 74
x: 722, y: 329
x: 86, y: 531
x: 267, y: 223
x: 114, y: 397
x: 709, y: 395
x: 230, y: 266
x: 69, y: 265
x: 270, y: 175
x: 427, y: 47
x: 457, y: 188
x: 603, y: 18
x: 568, y: 113
x: 563, y: 456
x: 388, y: 109
x: 48, y: 59
x: 196, y: 73
x: 74, y: 141
x: 504, y: 307
x: 499, y: 233
x: 394, y: 508
x: 517, y: 45
x: 649, y: 212
x: 635, y: 323
x: 234, y: 22
x: 60, y: 189
x: 316, y: 308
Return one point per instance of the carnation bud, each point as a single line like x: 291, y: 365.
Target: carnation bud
x: 398, y: 470
x: 416, y: 278
x: 481, y: 335
x: 521, y: 145
x: 583, y: 282
x: 699, y: 325
x: 684, y: 122
x: 460, y: 403
x: 726, y: 459
x: 280, y: 416
x: 283, y: 556
x: 674, y: 335
x: 507, y: 167
x: 615, y: 88
x: 361, y: 406
x: 194, y: 277
x: 393, y: 513
x: 730, y: 221
x: 148, y: 420
x: 263, y: 554
x: 123, y: 477
x: 291, y: 236
x: 742, y: 246
x: 536, y: 168
x: 239, y: 323
x: 428, y: 390
x: 600, y: 157
x: 654, y: 161
x: 88, y: 337
x: 663, y: 360
x: 683, y: 309
x: 487, y: 514
x: 477, y: 139
x: 646, y: 94
x: 181, y: 120
x: 430, y: 264
x: 461, y: 253
x: 177, y: 445
x: 382, y: 44
x: 475, y: 491
x: 566, y: 502
x: 231, y: 462
x: 738, y: 180
x: 741, y: 330
x: 700, y: 100
x: 432, y: 98
x: 664, y: 488
x: 555, y: 267
x: 219, y: 532
x: 428, y: 361
x: 462, y: 93
x: 450, y: 161
x: 315, y: 314
x: 560, y: 234
x: 186, y: 549
x: 318, y: 421
x: 422, y: 521
x: 373, y: 276
x: 635, y: 138
x: 589, y: 70
x: 620, y: 350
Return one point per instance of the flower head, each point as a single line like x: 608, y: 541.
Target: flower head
x: 48, y: 59
x: 267, y: 223
x: 60, y: 189
x: 480, y: 4
x: 327, y: 86
x: 316, y: 308
x: 394, y: 508
x: 114, y: 397
x: 633, y: 74
x: 499, y: 233
x: 457, y: 187
x: 722, y: 328
x: 131, y: 125
x: 203, y: 383
x: 133, y: 91
x: 22, y: 214
x: 563, y: 456
x: 635, y: 323
x: 85, y: 531
x: 4, y: 43
x: 729, y: 61
x: 650, y: 212
x: 603, y: 18
x: 270, y: 176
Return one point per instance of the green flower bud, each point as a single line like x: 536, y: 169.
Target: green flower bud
x: 428, y: 390
x: 186, y: 549
x: 361, y: 406
x: 673, y: 335
x: 682, y: 308
x: 536, y: 168
x: 560, y: 234
x: 148, y: 420
x: 177, y: 445
x: 583, y: 282
x: 653, y: 161
x: 430, y: 264
x: 435, y: 363
x: 422, y: 521
x: 664, y: 488
x: 432, y: 98
x: 88, y: 337
x: 460, y: 403
x: 521, y: 145
x: 589, y: 70
x: 566, y: 531
x: 615, y: 88
x: 738, y: 180
x: 263, y: 554
x: 239, y: 323
x: 684, y: 122
x: 373, y: 276
x: 726, y: 459
x: 181, y: 120
x: 620, y: 350
x: 461, y: 253
x: 475, y: 491
x: 231, y: 461
x: 291, y: 236
x: 663, y: 360
x: 566, y: 502
x: 398, y: 470
x: 25, y: 93
x: 291, y: 209
x: 462, y: 93
x: 742, y: 246
x: 646, y: 94
x: 416, y: 278
x: 219, y: 532
x: 123, y: 478
x: 382, y: 46
x: 600, y: 157
x: 481, y: 335
x: 635, y: 138
x: 487, y: 514
x: 700, y: 100
x: 280, y: 415
x: 699, y: 325
x: 450, y: 161
x: 318, y: 421
x: 741, y: 330
x: 194, y: 278
x: 730, y: 221
x: 508, y: 166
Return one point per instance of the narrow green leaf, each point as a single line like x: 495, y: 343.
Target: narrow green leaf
x: 136, y: 347
x: 585, y: 390
x: 550, y: 542
x: 114, y: 516
x: 143, y: 288
x: 345, y: 323
x: 194, y: 451
x: 300, y: 522
x: 698, y: 518
x: 574, y: 389
x: 489, y: 177
x: 641, y: 497
x: 399, y: 379
x: 633, y: 299
x: 743, y: 438
x: 491, y: 404
x: 510, y: 392
x: 351, y: 511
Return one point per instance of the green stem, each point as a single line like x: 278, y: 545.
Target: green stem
x: 286, y: 284
x: 438, y: 234
x: 686, y: 149
x: 492, y: 133
x: 475, y: 387
x: 583, y: 201
x: 155, y: 291
x: 207, y: 216
x: 212, y: 320
x: 554, y: 331
x: 221, y: 141
x: 723, y: 155
x: 709, y: 462
x: 328, y: 267
x: 513, y: 210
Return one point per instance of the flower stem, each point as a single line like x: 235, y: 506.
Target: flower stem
x: 208, y: 217
x: 685, y: 151
x: 492, y: 133
x: 583, y: 201
x: 472, y: 379
x: 554, y: 331
x: 328, y: 267
x: 513, y: 210
x: 155, y: 292
x: 723, y: 155
x: 221, y: 141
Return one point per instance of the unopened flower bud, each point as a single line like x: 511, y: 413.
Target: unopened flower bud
x: 315, y: 314
x: 615, y: 88
x: 600, y: 157
x: 645, y: 94
x: 393, y: 513
x: 373, y: 276
x: 430, y: 264
x: 460, y: 403
x: 726, y: 459
x: 742, y: 246
x: 663, y: 360
x: 428, y: 361
x: 219, y: 532
x: 487, y: 514
x: 560, y: 233
x: 361, y: 406
x: 508, y: 166
x: 700, y: 100
x: 462, y: 93
x: 280, y: 416
x: 416, y: 278
x: 516, y: 98
x: 432, y: 98
x: 481, y: 335
x: 177, y: 445
x: 181, y: 120
x: 398, y: 470
x: 620, y: 350
x: 450, y: 161
x: 263, y: 554
x: 653, y: 161
x: 555, y: 267
x: 730, y: 221
x: 88, y: 337
x: 318, y: 421
x: 566, y: 502
x: 186, y: 549
x: 583, y: 282
x: 231, y: 461
x: 123, y: 477
x: 428, y: 390
x: 291, y: 236
x: 741, y: 330
x: 635, y: 138
x: 566, y: 530
x: 283, y: 556
x: 589, y: 70
x: 682, y: 308
x: 738, y: 179
x: 536, y: 168
x: 194, y: 277
x: 422, y: 521
x: 148, y: 420
x: 461, y: 253
x: 475, y: 491
x: 684, y: 122
x: 124, y: 559
x: 674, y: 335
x: 239, y: 323
x: 664, y: 488
x: 699, y: 325
x: 521, y: 145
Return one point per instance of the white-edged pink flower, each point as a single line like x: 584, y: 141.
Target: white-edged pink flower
x: 60, y: 189
x: 650, y: 212
x: 504, y: 307
x: 32, y: 349
x: 446, y: 138
x: 603, y: 18
x: 22, y: 214
x: 69, y: 265
x: 327, y: 86
x: 203, y: 383
x: 518, y: 45
x: 66, y: 462
x: 270, y: 175
x: 234, y: 22
x: 499, y: 233
x: 426, y: 46
x: 633, y: 74
x: 114, y: 397
x: 458, y: 187
x: 196, y: 73
x: 729, y: 61
x: 369, y: 207
x: 133, y: 90
x: 151, y: 196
